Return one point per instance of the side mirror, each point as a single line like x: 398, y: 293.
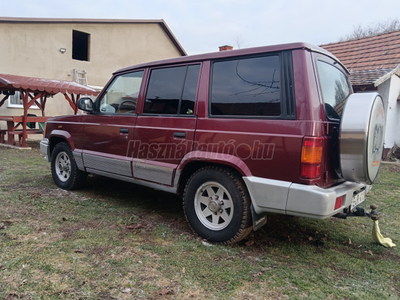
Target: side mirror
x: 85, y: 104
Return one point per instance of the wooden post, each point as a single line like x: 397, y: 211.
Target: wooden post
x: 26, y: 104
x: 43, y: 99
x: 25, y: 96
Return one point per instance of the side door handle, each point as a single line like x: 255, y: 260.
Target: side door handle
x: 181, y: 135
x: 124, y: 130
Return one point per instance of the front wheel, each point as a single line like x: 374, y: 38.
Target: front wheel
x: 217, y: 205
x: 64, y: 170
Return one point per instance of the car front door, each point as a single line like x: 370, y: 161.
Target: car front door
x: 108, y: 132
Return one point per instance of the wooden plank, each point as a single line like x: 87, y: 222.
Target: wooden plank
x: 28, y: 130
x: 19, y: 119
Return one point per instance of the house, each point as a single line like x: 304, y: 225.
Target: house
x: 374, y: 65
x: 86, y: 51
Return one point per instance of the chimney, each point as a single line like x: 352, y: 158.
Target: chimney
x: 225, y: 48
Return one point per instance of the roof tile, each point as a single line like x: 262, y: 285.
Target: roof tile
x: 368, y: 59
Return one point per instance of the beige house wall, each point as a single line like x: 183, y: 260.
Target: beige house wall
x: 33, y: 49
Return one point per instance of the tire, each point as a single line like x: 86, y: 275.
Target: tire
x: 225, y: 221
x: 64, y: 170
x: 361, y: 138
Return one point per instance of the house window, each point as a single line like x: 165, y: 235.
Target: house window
x: 80, y: 45
x: 16, y: 101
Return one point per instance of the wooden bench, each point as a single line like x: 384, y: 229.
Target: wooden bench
x: 19, y: 132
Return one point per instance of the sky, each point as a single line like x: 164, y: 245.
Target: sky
x: 202, y: 26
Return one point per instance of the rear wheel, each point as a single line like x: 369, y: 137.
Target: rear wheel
x: 361, y: 137
x: 217, y: 205
x: 64, y: 170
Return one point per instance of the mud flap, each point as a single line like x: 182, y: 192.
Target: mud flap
x: 258, y: 220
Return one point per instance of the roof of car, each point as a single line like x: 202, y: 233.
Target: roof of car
x: 227, y: 54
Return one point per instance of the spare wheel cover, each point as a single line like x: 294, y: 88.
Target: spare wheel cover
x: 362, y: 131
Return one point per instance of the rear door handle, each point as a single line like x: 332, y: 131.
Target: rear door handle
x: 124, y: 130
x: 180, y: 135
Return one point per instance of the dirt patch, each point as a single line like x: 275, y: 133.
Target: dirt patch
x: 68, y: 229
x: 394, y: 168
x: 15, y: 296
x: 281, y: 230
x: 105, y: 295
x: 34, y: 144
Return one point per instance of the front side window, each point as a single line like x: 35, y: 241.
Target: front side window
x: 335, y: 88
x: 247, y: 87
x: 172, y: 90
x: 122, y: 95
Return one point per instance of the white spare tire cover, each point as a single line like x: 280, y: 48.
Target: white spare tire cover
x: 361, y: 137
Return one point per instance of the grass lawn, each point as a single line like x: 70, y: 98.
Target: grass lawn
x: 114, y: 240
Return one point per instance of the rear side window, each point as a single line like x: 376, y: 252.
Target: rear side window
x: 335, y: 88
x: 246, y: 87
x: 172, y: 91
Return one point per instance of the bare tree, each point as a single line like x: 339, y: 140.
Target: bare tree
x: 373, y: 29
x: 240, y: 43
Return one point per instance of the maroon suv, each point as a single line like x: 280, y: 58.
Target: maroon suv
x: 237, y: 134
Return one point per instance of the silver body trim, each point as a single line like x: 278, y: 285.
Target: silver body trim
x: 111, y: 165
x: 150, y: 172
x: 153, y: 185
x: 45, y: 148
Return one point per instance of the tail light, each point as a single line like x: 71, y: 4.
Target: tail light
x: 311, y: 156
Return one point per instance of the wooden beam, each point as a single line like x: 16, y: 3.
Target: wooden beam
x: 72, y: 101
x: 4, y: 100
x: 43, y: 100
x: 33, y: 99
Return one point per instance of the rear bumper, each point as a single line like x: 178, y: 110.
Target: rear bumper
x: 298, y: 199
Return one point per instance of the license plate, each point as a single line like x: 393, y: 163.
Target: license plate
x: 357, y: 199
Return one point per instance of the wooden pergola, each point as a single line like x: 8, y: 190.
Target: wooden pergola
x: 36, y: 91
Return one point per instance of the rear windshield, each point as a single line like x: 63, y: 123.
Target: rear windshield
x: 335, y: 88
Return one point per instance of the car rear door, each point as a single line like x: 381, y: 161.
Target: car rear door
x: 251, y: 119
x: 165, y: 128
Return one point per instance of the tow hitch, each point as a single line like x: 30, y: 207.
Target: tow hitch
x: 359, y: 212
x: 373, y: 214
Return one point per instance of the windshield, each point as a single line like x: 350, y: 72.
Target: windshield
x: 335, y: 89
